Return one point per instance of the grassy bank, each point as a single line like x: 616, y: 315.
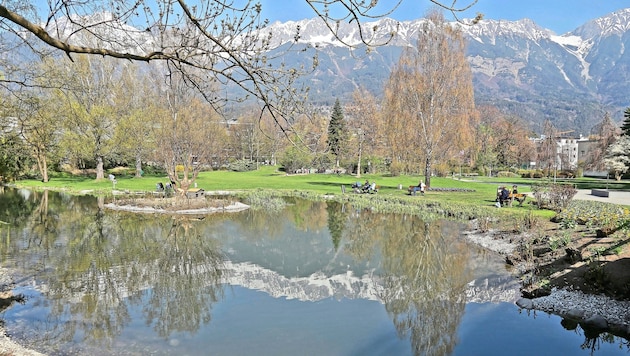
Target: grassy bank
x: 475, y: 198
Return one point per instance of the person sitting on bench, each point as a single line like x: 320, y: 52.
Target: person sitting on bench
x: 505, y: 195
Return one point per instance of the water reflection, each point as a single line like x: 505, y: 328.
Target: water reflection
x: 94, y: 264
x: 102, y: 273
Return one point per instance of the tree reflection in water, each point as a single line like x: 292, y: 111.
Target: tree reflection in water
x: 101, y: 270
x: 425, y: 275
x: 111, y: 261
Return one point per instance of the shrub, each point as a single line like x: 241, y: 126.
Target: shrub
x: 396, y: 169
x: 507, y: 174
x: 530, y: 174
x: 561, y: 195
x: 553, y: 196
x: 243, y: 165
x: 295, y: 158
x: 595, y: 215
x: 562, y: 240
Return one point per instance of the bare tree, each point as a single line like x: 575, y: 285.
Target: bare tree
x: 365, y: 125
x: 547, y: 150
x: 606, y: 133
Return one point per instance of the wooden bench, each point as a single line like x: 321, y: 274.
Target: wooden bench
x: 413, y: 189
x: 519, y: 197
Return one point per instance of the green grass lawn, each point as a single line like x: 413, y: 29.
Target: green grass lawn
x: 269, y: 178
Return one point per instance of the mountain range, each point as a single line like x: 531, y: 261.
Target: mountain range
x: 523, y: 69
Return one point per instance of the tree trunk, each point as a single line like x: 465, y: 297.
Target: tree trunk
x: 359, y: 164
x: 44, y: 169
x: 99, y: 168
x: 42, y: 165
x: 138, y: 166
x: 427, y: 172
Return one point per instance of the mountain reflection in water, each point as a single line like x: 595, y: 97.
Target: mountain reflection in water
x: 102, y: 281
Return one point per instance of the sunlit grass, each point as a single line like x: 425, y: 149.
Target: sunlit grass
x: 479, y: 201
x: 269, y: 178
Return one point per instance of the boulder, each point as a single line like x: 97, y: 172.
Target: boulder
x: 525, y: 303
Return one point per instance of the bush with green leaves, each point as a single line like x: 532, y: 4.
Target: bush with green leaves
x: 296, y: 158
x: 243, y: 165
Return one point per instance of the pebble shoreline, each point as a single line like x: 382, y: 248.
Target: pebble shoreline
x: 592, y: 311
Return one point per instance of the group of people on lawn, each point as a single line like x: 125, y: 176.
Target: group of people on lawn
x: 366, y: 187
x: 503, y: 195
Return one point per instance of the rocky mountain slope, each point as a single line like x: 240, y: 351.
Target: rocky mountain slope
x: 524, y: 69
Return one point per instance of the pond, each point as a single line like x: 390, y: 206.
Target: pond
x: 316, y: 278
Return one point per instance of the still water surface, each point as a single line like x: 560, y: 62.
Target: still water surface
x: 316, y: 278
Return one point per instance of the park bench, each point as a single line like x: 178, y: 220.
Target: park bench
x: 519, y: 197
x: 413, y: 189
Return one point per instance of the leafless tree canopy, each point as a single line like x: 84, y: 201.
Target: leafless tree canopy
x: 210, y: 42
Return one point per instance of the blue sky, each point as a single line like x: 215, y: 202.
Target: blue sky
x: 560, y: 16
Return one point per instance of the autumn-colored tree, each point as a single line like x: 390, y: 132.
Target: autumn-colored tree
x: 430, y: 94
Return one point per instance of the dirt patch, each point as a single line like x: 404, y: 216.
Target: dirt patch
x: 576, y: 258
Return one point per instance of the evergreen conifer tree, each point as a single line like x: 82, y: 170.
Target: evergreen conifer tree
x: 336, y: 132
x: 625, y: 127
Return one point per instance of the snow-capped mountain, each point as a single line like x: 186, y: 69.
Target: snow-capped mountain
x: 518, y: 66
x: 524, y: 69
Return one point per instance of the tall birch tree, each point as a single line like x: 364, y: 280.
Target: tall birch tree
x: 430, y: 93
